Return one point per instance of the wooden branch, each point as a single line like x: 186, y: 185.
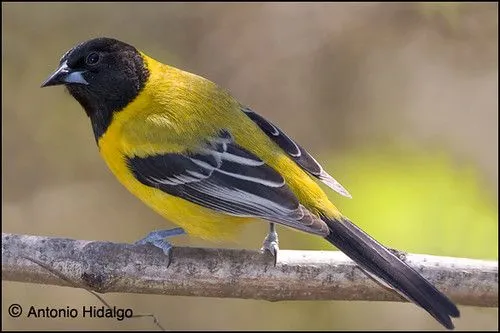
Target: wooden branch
x: 299, y: 275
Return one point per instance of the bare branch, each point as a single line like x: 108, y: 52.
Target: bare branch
x: 299, y: 275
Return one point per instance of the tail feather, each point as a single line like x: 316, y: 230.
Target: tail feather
x: 377, y: 260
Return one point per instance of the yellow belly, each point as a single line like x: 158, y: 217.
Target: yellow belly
x: 194, y: 219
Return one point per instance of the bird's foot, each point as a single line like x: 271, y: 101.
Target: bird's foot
x: 271, y: 243
x: 159, y: 239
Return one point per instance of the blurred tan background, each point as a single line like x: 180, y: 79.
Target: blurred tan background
x: 399, y: 102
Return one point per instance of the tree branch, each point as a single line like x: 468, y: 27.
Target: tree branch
x: 299, y: 275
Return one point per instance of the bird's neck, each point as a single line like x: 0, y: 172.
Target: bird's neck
x: 100, y: 122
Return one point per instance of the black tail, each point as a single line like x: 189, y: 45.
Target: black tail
x: 374, y: 258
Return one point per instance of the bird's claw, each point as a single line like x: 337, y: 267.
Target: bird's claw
x: 271, y: 244
x: 158, y: 238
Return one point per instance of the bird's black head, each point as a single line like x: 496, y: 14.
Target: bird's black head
x: 103, y: 75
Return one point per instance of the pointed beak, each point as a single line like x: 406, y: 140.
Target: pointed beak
x: 65, y: 75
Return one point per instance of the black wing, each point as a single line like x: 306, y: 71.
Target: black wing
x: 296, y: 152
x: 225, y: 177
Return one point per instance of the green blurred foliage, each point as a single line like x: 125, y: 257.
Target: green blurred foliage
x: 419, y: 201
x: 448, y: 11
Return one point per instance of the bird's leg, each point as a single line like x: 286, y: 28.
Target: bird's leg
x: 271, y: 242
x: 159, y: 239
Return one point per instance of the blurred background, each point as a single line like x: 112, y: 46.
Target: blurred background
x: 398, y: 101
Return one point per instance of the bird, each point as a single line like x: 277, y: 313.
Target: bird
x: 210, y: 164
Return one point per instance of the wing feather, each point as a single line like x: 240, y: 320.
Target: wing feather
x: 225, y: 177
x: 298, y: 154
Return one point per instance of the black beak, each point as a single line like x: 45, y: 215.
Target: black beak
x: 65, y: 75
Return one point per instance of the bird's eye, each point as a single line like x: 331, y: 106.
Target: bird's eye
x: 93, y: 58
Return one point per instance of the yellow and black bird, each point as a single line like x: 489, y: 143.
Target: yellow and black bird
x: 199, y: 158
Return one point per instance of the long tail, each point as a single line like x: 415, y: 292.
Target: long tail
x: 374, y: 258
